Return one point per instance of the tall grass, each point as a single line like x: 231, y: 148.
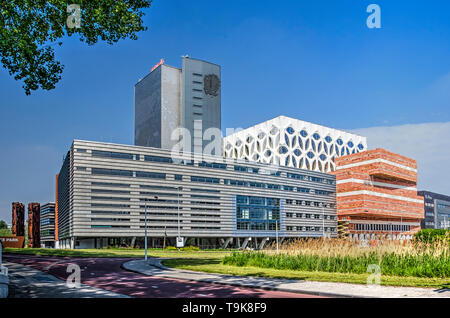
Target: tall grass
x: 415, y: 259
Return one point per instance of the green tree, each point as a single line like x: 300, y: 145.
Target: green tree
x: 3, y: 225
x: 4, y: 231
x: 31, y: 29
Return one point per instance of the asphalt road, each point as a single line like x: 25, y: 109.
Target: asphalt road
x: 107, y: 274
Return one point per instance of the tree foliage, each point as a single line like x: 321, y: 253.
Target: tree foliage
x: 3, y: 225
x: 31, y: 29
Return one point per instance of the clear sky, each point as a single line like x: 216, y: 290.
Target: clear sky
x: 312, y: 60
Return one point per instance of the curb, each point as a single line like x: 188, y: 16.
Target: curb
x: 159, y: 265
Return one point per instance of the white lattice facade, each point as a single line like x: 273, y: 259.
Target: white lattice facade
x: 293, y: 143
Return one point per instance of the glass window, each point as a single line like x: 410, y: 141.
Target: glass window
x: 205, y: 180
x: 283, y: 150
x: 150, y: 175
x: 257, y: 213
x: 113, y: 155
x: 290, y: 130
x: 158, y: 159
x: 212, y: 165
x: 112, y: 172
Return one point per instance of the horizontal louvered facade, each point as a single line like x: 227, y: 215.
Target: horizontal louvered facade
x: 105, y: 190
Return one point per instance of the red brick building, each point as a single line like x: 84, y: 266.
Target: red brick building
x: 377, y: 195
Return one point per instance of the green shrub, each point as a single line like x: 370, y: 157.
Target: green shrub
x: 5, y: 232
x: 190, y: 248
x: 432, y: 236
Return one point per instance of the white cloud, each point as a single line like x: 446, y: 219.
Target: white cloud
x: 428, y: 143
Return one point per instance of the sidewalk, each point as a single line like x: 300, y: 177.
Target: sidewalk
x: 26, y: 282
x: 4, y: 283
x: 155, y: 268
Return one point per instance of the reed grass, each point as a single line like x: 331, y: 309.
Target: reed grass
x: 416, y: 259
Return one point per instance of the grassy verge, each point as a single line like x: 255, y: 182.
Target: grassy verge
x: 5, y: 232
x: 214, y: 265
x: 132, y: 253
x: 392, y: 264
x: 211, y: 262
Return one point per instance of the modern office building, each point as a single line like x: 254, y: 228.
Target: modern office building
x: 293, y: 143
x: 34, y: 232
x: 377, y: 195
x: 170, y: 97
x: 48, y: 225
x: 18, y: 219
x: 437, y: 210
x: 105, y: 190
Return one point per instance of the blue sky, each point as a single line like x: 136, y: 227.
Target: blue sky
x: 312, y: 60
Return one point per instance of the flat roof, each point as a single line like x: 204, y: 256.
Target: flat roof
x: 300, y: 122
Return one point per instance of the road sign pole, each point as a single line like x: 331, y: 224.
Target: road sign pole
x: 276, y: 233
x: 145, y: 206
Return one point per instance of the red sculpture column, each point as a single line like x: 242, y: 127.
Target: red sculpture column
x: 34, y: 225
x: 18, y: 219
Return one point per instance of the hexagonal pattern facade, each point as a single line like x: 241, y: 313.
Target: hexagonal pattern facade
x: 293, y: 143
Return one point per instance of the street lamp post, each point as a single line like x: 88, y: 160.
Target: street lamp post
x: 392, y: 232
x: 178, y: 210
x: 145, y: 242
x: 401, y: 227
x: 276, y: 232
x: 146, y: 239
x: 323, y: 221
x: 179, y: 234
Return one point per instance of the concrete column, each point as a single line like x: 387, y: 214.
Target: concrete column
x: 244, y: 245
x: 263, y: 242
x: 228, y: 241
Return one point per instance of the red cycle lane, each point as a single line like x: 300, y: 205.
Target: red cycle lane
x: 107, y: 273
